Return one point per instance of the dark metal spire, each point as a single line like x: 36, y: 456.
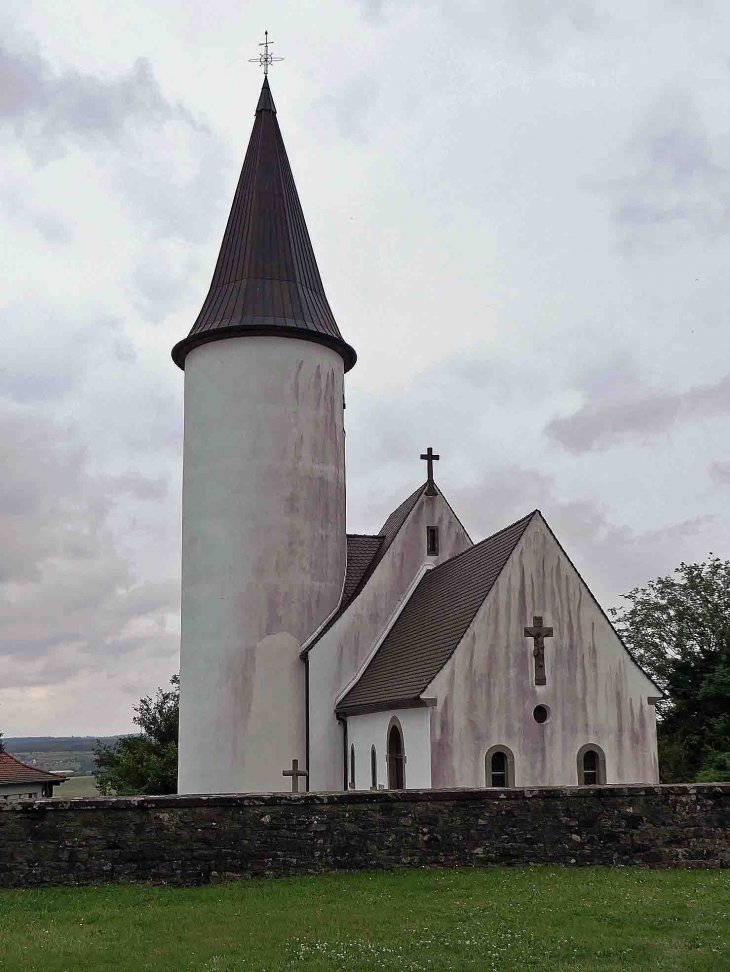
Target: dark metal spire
x: 266, y: 279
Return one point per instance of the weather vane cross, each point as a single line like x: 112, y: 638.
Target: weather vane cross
x: 265, y: 58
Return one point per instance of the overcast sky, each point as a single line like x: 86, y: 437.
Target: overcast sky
x: 521, y: 215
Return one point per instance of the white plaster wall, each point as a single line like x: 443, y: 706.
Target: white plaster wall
x: 596, y: 694
x: 335, y: 659
x: 371, y: 729
x: 263, y: 555
x: 19, y: 791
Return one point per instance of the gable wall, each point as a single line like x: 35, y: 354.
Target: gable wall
x: 596, y: 694
x: 336, y: 658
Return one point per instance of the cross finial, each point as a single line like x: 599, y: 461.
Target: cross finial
x: 430, y: 458
x: 265, y: 58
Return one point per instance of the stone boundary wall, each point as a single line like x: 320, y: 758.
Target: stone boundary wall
x: 202, y: 839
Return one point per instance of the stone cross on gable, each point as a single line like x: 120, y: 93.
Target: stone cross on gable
x: 430, y: 458
x: 295, y: 773
x: 539, y: 633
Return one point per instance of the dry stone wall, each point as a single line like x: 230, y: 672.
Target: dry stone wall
x: 203, y: 839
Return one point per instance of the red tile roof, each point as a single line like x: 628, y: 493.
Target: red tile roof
x: 13, y: 771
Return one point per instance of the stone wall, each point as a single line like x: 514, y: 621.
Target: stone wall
x: 201, y: 839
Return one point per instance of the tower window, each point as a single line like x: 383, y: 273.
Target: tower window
x: 432, y: 541
x: 540, y: 713
x: 352, y: 767
x: 373, y: 769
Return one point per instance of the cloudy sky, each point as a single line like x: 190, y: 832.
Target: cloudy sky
x: 521, y: 214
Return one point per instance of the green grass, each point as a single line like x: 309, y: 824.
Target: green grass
x: 546, y: 919
x: 76, y: 786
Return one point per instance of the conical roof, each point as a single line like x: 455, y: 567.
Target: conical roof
x: 266, y: 279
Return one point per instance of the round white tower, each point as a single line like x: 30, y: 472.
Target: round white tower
x: 264, y: 543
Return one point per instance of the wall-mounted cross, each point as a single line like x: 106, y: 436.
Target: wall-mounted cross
x: 295, y: 773
x: 539, y: 634
x: 430, y: 458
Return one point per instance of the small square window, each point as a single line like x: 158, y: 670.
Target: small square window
x: 432, y: 541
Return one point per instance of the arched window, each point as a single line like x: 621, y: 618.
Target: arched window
x: 499, y: 767
x: 352, y: 767
x: 591, y: 765
x: 373, y: 769
x: 396, y: 756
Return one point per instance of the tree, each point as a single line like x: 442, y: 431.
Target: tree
x: 146, y: 763
x: 678, y: 629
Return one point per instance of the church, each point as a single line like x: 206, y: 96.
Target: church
x: 315, y: 659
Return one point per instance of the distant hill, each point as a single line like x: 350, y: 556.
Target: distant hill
x: 57, y: 744
x: 53, y: 753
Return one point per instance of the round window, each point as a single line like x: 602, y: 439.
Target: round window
x: 540, y: 713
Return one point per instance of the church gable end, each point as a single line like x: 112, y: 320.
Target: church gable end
x: 340, y: 649
x: 541, y: 673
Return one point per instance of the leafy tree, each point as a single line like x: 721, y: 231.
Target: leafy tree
x: 146, y: 763
x: 678, y: 629
x: 2, y: 744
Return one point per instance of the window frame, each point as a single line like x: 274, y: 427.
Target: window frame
x: 600, y: 768
x: 432, y: 541
x: 509, y: 767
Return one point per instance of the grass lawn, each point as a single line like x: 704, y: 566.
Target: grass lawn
x: 547, y: 919
x: 76, y: 786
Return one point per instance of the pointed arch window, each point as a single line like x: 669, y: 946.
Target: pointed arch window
x: 591, y: 765
x: 396, y: 756
x: 499, y: 767
x: 373, y: 769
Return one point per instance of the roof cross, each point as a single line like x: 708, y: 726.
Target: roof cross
x: 430, y: 458
x: 295, y: 773
x: 265, y: 58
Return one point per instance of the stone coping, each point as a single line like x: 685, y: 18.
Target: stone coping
x: 358, y: 797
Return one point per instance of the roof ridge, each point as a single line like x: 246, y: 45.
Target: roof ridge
x: 474, y: 546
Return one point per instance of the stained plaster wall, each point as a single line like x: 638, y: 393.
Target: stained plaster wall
x: 339, y: 654
x: 263, y: 555
x: 486, y: 693
x: 371, y: 729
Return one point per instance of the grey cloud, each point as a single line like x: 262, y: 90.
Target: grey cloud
x: 680, y: 186
x: 720, y: 472
x: 34, y: 98
x: 140, y: 487
x: 69, y: 597
x: 17, y: 206
x: 351, y: 106
x: 601, y: 424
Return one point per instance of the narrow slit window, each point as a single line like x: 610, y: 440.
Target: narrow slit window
x: 499, y: 769
x: 373, y: 769
x: 352, y: 767
x: 432, y: 541
x: 590, y: 768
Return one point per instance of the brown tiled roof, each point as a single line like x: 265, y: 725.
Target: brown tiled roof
x: 361, y: 548
x: 266, y: 280
x: 366, y: 552
x: 13, y: 771
x: 432, y: 623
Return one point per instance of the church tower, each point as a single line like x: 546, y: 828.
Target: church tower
x: 263, y: 541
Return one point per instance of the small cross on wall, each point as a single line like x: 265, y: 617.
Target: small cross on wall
x: 295, y: 773
x: 539, y: 633
x: 430, y: 458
